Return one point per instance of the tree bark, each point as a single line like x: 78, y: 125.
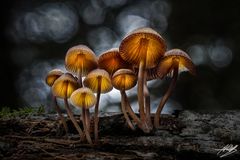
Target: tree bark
x: 188, y: 135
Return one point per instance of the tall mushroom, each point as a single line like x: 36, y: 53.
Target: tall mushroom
x: 63, y: 87
x: 111, y: 61
x: 125, y: 79
x: 84, y: 98
x: 173, y: 61
x: 142, y: 48
x: 99, y: 82
x: 50, y: 79
x: 80, y: 60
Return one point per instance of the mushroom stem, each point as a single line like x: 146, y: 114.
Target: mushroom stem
x: 85, y: 126
x: 141, y: 75
x: 96, y: 118
x: 133, y: 115
x: 80, y: 78
x: 129, y: 109
x: 57, y: 108
x: 172, y: 85
x: 124, y: 106
x: 147, y: 106
x: 69, y: 111
x: 87, y: 116
x: 143, y: 47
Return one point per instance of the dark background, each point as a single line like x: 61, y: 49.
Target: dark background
x: 35, y: 36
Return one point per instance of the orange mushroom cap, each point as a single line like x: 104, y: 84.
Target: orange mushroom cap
x: 132, y: 46
x: 83, y: 97
x: 64, y: 86
x: 165, y: 65
x: 80, y: 58
x: 92, y: 79
x: 52, y: 76
x: 124, y: 79
x: 111, y: 61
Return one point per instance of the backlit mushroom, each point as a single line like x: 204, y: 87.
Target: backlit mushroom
x: 125, y: 79
x: 63, y: 87
x: 111, y: 61
x: 80, y: 60
x: 99, y: 82
x: 50, y: 79
x: 173, y: 61
x: 143, y: 48
x: 85, y: 99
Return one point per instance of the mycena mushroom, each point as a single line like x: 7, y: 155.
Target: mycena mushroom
x: 143, y: 48
x: 173, y: 61
x: 84, y: 98
x: 51, y: 77
x: 125, y: 79
x: 99, y: 82
x: 63, y: 87
x: 80, y: 60
x: 111, y: 61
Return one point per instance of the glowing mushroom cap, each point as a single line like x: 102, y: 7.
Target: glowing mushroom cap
x: 135, y: 43
x: 64, y: 86
x: 92, y: 81
x: 83, y: 97
x: 80, y: 58
x: 111, y: 61
x: 52, y: 76
x: 165, y: 65
x: 124, y: 79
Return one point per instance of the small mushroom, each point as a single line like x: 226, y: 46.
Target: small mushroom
x: 84, y: 98
x: 173, y: 61
x: 125, y: 79
x: 63, y: 87
x: 111, y: 61
x: 51, y: 77
x: 80, y: 60
x: 143, y: 48
x: 99, y: 82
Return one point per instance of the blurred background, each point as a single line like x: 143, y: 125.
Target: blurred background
x: 35, y: 36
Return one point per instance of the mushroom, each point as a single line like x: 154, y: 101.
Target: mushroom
x: 80, y: 60
x: 63, y: 87
x: 84, y: 98
x: 111, y: 61
x: 99, y: 82
x: 125, y: 79
x: 173, y: 61
x: 142, y: 48
x: 50, y: 79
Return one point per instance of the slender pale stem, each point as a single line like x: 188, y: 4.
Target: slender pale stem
x: 70, y: 113
x: 147, y: 106
x: 96, y: 118
x: 80, y: 84
x: 85, y: 126
x: 140, y: 90
x: 142, y: 51
x: 129, y: 109
x: 133, y: 115
x: 57, y: 108
x: 87, y: 113
x: 168, y: 93
x: 124, y: 106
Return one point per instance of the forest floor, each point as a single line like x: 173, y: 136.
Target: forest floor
x: 188, y: 135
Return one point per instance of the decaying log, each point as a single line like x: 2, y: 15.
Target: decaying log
x: 188, y: 135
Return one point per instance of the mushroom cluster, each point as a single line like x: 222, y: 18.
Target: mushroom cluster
x: 141, y: 56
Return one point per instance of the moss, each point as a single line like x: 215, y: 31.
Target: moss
x: 6, y: 112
